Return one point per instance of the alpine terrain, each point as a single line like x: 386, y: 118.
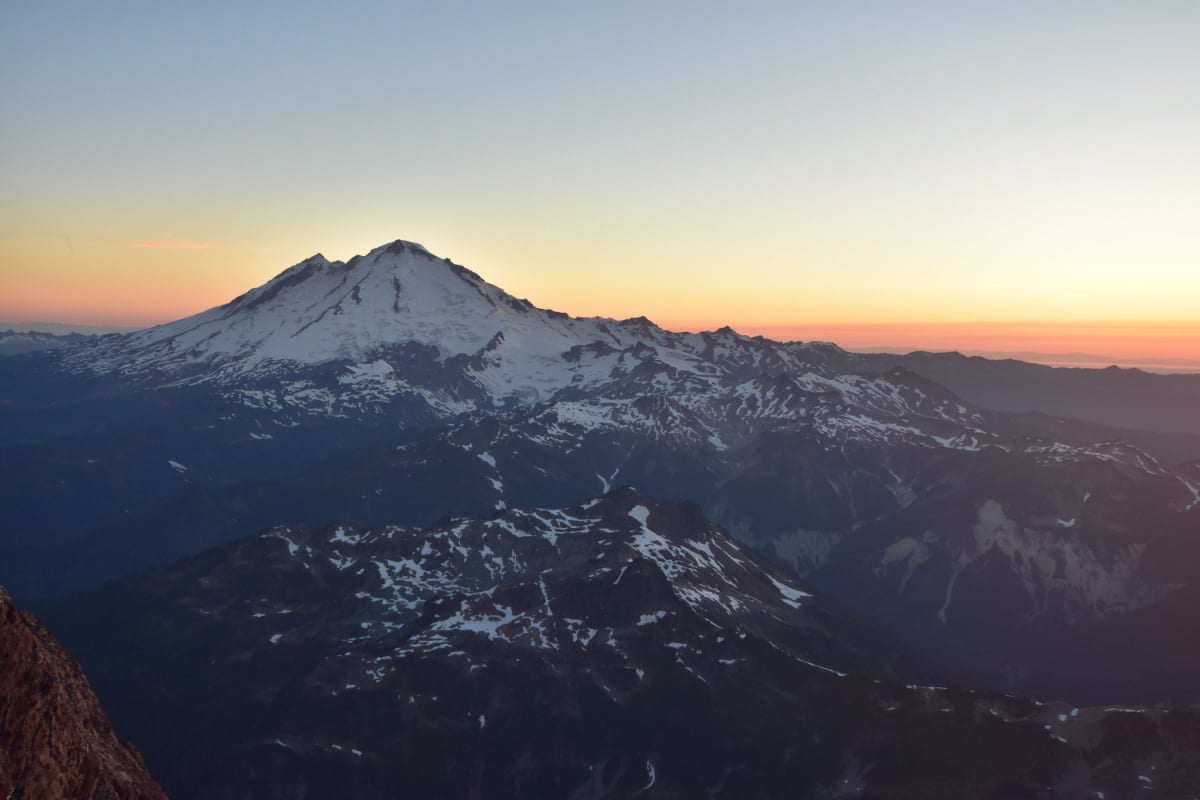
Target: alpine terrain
x: 320, y: 430
x: 621, y: 648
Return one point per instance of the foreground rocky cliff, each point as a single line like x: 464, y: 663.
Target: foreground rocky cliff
x: 55, y: 740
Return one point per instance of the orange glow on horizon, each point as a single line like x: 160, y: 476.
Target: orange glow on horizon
x: 1168, y: 346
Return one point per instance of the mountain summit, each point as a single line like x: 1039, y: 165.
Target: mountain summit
x: 322, y: 311
x: 400, y: 309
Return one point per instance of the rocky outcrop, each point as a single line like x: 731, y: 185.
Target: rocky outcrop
x: 55, y: 740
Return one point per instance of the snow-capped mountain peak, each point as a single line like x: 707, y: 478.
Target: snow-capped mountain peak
x: 355, y: 315
x: 400, y: 324
x: 321, y: 311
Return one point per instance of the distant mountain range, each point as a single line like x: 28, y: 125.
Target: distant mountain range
x: 1002, y: 542
x: 15, y: 343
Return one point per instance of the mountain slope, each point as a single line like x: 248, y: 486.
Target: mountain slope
x: 55, y: 740
x: 620, y: 648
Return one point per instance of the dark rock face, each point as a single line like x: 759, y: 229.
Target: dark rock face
x: 55, y: 740
x: 624, y: 647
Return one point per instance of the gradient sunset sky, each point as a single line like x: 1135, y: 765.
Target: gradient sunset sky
x: 991, y: 177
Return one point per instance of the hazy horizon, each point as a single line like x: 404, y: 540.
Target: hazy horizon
x: 937, y: 338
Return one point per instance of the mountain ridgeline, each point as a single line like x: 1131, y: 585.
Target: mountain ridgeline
x: 1001, y: 544
x: 619, y: 648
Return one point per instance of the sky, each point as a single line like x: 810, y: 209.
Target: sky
x: 999, y: 177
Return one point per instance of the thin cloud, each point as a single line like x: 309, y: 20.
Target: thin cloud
x: 171, y: 244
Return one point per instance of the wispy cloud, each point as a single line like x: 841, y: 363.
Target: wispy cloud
x: 167, y: 243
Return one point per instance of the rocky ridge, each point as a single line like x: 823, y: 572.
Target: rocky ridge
x: 55, y: 740
x: 623, y: 647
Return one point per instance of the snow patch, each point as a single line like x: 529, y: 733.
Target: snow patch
x: 792, y: 597
x: 651, y: 774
